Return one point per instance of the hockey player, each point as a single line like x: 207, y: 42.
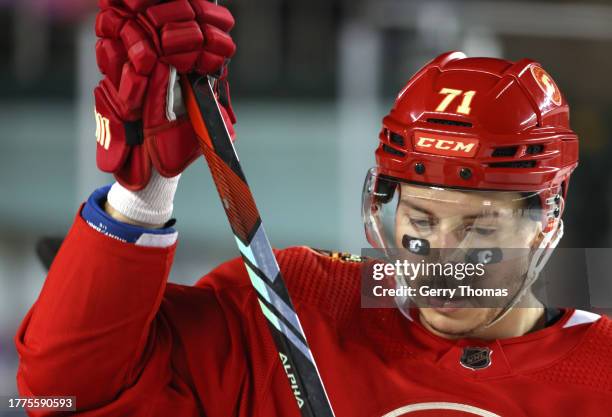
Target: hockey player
x: 472, y: 148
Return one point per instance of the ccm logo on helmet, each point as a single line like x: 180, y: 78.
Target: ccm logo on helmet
x: 103, y: 133
x: 445, y: 145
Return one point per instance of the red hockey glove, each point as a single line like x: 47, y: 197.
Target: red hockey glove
x: 140, y: 117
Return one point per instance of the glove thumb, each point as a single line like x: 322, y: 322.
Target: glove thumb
x: 169, y: 136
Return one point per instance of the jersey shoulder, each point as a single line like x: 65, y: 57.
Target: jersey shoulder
x: 325, y: 280
x: 589, y: 364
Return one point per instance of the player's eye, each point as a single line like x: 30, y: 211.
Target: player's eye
x: 482, y: 231
x: 422, y: 224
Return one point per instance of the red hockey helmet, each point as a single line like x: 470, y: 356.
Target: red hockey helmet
x: 479, y: 124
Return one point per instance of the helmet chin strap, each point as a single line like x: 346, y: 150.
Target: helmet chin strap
x: 536, y: 264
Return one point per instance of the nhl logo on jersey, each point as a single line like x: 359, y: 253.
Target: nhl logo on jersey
x: 476, y: 357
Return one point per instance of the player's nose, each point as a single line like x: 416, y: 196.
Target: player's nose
x: 446, y: 236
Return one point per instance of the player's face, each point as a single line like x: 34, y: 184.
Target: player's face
x: 454, y: 219
x: 449, y: 220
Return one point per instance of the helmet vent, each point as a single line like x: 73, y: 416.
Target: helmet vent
x: 534, y: 149
x: 396, y: 138
x: 392, y: 151
x: 513, y: 164
x: 449, y: 122
x: 505, y: 151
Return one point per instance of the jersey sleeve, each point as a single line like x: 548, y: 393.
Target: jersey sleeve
x: 95, y: 333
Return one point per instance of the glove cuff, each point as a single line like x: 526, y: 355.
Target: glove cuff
x: 151, y: 205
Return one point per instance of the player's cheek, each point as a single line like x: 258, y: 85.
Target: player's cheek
x: 402, y: 228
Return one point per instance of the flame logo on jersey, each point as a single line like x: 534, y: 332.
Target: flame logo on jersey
x: 103, y: 133
x: 546, y: 84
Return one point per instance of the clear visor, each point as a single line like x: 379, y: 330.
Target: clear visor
x: 422, y: 217
x: 504, y: 237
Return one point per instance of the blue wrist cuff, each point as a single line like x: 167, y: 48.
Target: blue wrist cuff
x: 97, y: 218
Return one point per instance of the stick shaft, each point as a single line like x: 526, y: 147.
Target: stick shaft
x: 259, y: 259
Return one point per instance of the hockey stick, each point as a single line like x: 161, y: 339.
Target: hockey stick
x: 259, y: 260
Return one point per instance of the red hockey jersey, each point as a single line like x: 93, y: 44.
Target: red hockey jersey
x: 108, y: 329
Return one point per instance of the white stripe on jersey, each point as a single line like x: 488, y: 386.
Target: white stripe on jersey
x: 581, y: 317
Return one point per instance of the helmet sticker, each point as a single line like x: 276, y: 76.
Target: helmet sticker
x: 451, y: 93
x: 546, y: 84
